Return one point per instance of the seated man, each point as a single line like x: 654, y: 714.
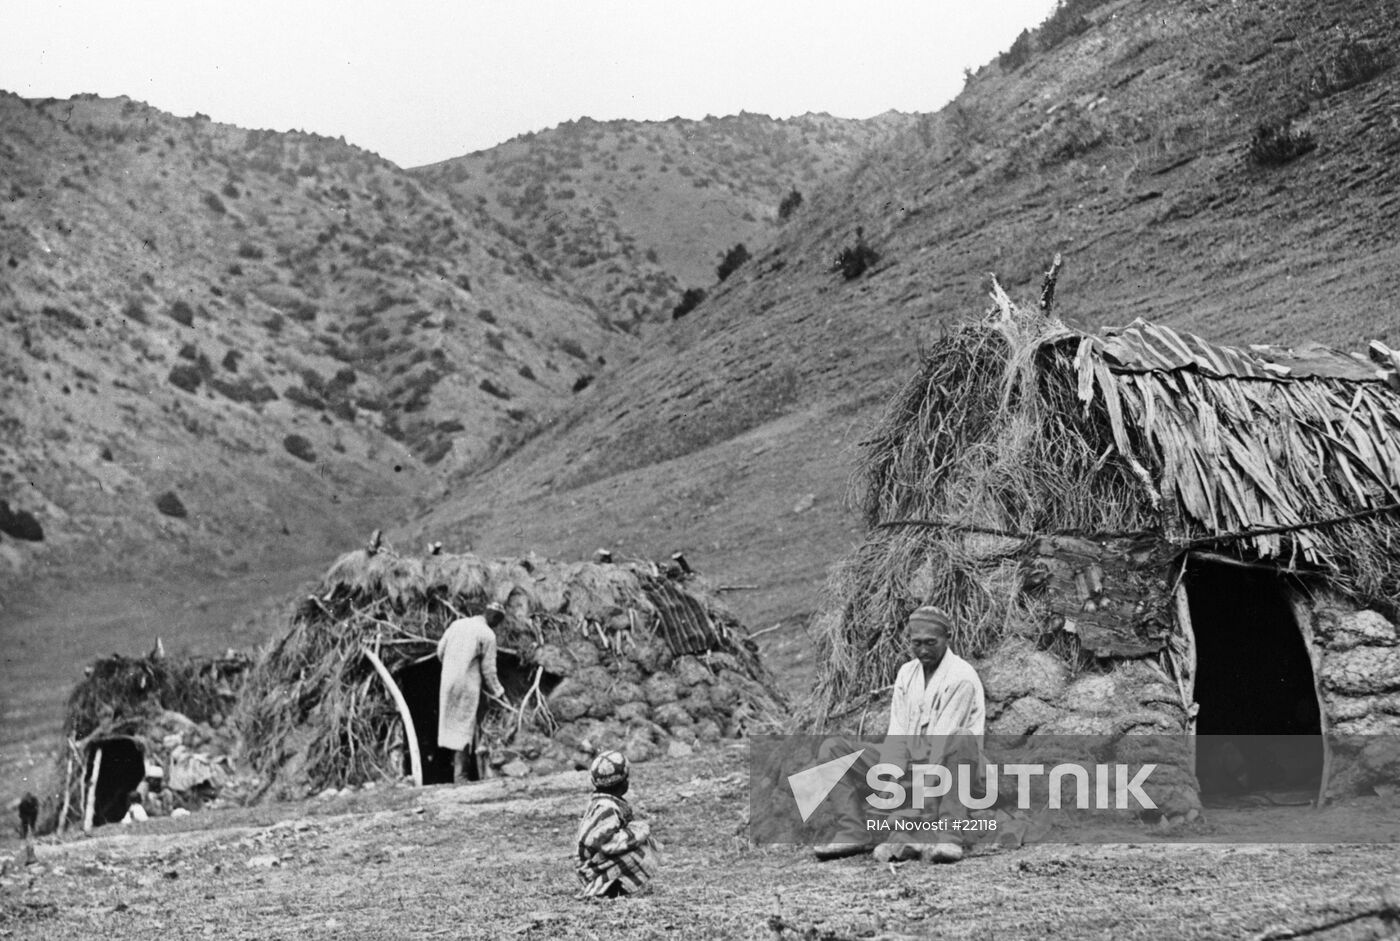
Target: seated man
x: 938, y: 699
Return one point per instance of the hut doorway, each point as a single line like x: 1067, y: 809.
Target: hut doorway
x: 419, y: 684
x: 1259, y: 723
x: 122, y: 769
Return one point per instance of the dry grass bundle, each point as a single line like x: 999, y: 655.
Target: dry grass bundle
x: 120, y: 693
x: 316, y: 714
x: 1016, y: 424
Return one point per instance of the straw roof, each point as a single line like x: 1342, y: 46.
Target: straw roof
x: 1018, y: 426
x: 316, y: 712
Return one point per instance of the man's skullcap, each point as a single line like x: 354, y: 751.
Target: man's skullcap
x: 931, y: 614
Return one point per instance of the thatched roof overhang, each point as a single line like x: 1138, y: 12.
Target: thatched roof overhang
x: 1290, y: 455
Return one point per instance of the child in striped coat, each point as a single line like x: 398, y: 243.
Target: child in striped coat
x: 614, y: 849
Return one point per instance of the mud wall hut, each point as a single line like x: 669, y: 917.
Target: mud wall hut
x: 592, y: 655
x: 129, y: 715
x: 1136, y: 532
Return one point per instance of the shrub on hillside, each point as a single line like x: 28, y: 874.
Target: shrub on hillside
x: 299, y: 448
x: 855, y: 260
x: 732, y: 260
x: 582, y: 382
x: 185, y: 376
x: 300, y: 395
x: 1277, y: 143
x: 135, y: 311
x: 64, y: 316
x: 20, y: 524
x: 214, y: 203
x: 230, y: 190
x: 1349, y: 65
x: 691, y: 299
x: 491, y: 388
x: 250, y: 251
x: 1018, y: 54
x: 169, y: 505
x: 789, y: 205
x: 181, y: 313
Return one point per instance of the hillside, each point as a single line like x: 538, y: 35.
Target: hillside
x: 633, y: 213
x: 286, y: 333
x: 1121, y: 138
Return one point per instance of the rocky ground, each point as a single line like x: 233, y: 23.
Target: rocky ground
x: 492, y: 860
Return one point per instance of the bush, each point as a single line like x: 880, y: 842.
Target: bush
x: 230, y: 190
x: 169, y: 504
x: 135, y: 311
x: 691, y: 299
x: 491, y: 388
x: 64, y: 316
x: 20, y: 524
x: 250, y: 251
x: 214, y: 203
x: 789, y: 205
x: 1352, y: 64
x: 300, y: 395
x: 185, y: 376
x: 1276, y: 143
x: 525, y: 372
x: 1019, y: 53
x: 732, y: 260
x: 582, y: 382
x: 299, y: 448
x: 855, y: 260
x: 230, y: 361
x: 181, y: 313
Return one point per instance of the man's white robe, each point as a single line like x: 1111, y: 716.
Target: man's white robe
x: 949, y: 703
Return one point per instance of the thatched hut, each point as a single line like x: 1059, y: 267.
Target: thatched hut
x: 130, y: 714
x: 1136, y: 531
x: 592, y: 655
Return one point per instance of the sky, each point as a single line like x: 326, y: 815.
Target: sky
x: 418, y: 81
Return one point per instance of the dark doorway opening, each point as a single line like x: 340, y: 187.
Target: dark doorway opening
x: 123, y: 769
x: 1259, y: 727
x: 419, y: 685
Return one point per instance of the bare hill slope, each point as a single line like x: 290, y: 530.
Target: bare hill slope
x: 283, y: 333
x: 635, y: 212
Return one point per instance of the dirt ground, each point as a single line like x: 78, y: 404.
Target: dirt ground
x: 492, y: 860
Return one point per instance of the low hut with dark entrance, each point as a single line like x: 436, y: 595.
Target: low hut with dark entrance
x: 1139, y: 531
x: 592, y: 655
x: 132, y: 716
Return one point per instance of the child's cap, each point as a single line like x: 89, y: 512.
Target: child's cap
x: 608, y: 769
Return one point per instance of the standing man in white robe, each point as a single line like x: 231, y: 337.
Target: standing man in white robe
x: 468, y: 654
x: 938, y: 716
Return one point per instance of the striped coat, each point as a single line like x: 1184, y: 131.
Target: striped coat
x: 612, y: 848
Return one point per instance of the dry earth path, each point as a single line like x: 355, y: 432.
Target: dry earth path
x: 493, y: 861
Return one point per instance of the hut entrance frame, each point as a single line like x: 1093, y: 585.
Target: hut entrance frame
x: 121, y: 769
x: 419, y: 681
x: 1249, y: 667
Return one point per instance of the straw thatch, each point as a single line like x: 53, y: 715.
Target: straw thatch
x: 591, y: 654
x: 158, y: 703
x: 1024, y: 454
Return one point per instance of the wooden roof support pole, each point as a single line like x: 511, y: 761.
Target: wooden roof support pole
x: 67, y: 788
x: 414, y: 759
x: 1302, y: 616
x: 90, y: 805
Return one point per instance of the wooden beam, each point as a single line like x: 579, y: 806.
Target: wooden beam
x: 1302, y: 616
x: 415, y: 760
x: 90, y: 805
